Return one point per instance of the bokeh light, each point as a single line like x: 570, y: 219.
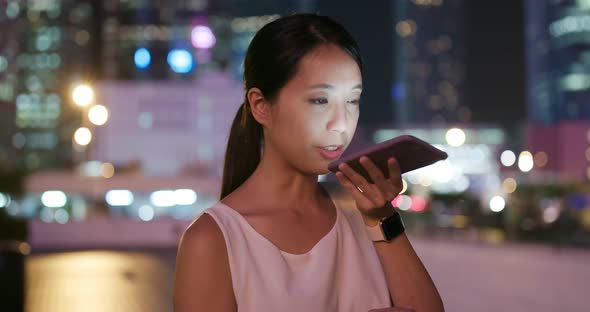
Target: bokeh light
x: 119, y: 197
x: 202, y: 37
x: 61, y: 216
x: 497, y: 203
x: 146, y: 213
x: 508, y: 158
x: 551, y: 213
x: 107, y: 170
x: 180, y: 61
x: 54, y: 199
x: 403, y: 202
x: 163, y: 198
x: 185, y: 197
x: 404, y: 186
x: 406, y: 28
x: 83, y: 95
x: 455, y: 137
x: 525, y: 161
x: 83, y: 136
x: 541, y: 159
x: 142, y: 58
x: 418, y: 203
x: 98, y: 115
x: 4, y: 200
x: 509, y: 185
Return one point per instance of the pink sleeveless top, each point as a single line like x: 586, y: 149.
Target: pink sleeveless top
x: 342, y: 272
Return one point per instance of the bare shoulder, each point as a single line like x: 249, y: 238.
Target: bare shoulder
x: 203, y: 233
x: 203, y: 277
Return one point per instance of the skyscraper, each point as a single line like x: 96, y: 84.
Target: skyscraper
x: 8, y: 79
x: 558, y: 84
x: 558, y: 60
x: 48, y: 45
x: 429, y: 62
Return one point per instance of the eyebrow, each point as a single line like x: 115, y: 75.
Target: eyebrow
x: 329, y: 86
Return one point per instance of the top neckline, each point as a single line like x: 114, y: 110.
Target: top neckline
x: 285, y: 253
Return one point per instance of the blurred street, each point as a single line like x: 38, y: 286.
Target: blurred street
x: 469, y: 276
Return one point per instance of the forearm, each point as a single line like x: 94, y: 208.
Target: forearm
x: 409, y: 282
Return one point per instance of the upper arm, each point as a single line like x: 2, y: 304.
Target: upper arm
x: 203, y: 278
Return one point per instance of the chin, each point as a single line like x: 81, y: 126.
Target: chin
x: 322, y: 170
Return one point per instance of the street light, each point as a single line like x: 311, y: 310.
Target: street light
x: 83, y: 136
x: 525, y: 161
x: 497, y: 203
x: 508, y: 158
x: 455, y: 137
x: 83, y: 95
x: 98, y: 115
x: 91, y: 115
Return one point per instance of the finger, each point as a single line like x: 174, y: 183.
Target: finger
x: 356, y: 179
x: 373, y: 171
x: 395, y: 175
x: 386, y: 188
x: 359, y: 197
x: 347, y: 184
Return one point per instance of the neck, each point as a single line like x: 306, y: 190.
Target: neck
x: 283, y: 186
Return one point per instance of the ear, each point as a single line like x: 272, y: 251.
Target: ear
x: 259, y: 106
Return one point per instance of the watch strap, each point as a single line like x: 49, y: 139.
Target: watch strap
x: 387, y: 229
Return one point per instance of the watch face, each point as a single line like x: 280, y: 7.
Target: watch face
x: 392, y: 226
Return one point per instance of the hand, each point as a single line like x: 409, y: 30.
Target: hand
x: 371, y: 198
x: 394, y: 309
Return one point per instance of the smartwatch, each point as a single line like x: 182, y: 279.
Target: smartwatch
x: 387, y: 229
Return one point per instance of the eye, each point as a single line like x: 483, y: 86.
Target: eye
x: 319, y: 101
x: 355, y: 102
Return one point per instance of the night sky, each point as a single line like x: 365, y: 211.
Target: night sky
x: 495, y: 86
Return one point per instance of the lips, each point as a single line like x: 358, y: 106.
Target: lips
x: 330, y: 155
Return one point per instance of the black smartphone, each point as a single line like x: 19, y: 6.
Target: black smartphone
x: 410, y: 152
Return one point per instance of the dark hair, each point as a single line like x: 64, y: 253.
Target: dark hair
x: 271, y: 61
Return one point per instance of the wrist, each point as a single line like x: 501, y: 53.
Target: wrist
x: 386, y: 229
x: 379, y: 214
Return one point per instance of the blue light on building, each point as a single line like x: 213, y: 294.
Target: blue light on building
x: 180, y: 61
x: 142, y: 58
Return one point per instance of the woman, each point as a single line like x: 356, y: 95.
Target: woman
x: 276, y: 241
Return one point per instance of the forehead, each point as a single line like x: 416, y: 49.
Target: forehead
x: 327, y: 64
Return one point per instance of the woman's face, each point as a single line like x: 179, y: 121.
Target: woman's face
x: 317, y: 110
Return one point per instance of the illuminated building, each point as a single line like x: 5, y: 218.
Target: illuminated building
x: 558, y: 84
x: 138, y: 36
x: 152, y: 39
x: 8, y: 50
x: 49, y: 45
x: 558, y: 55
x: 169, y: 127
x: 429, y: 65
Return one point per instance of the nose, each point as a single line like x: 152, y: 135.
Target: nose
x: 338, y: 119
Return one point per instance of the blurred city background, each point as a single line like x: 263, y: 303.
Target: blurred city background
x: 114, y: 117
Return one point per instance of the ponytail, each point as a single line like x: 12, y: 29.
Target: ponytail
x: 242, y: 154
